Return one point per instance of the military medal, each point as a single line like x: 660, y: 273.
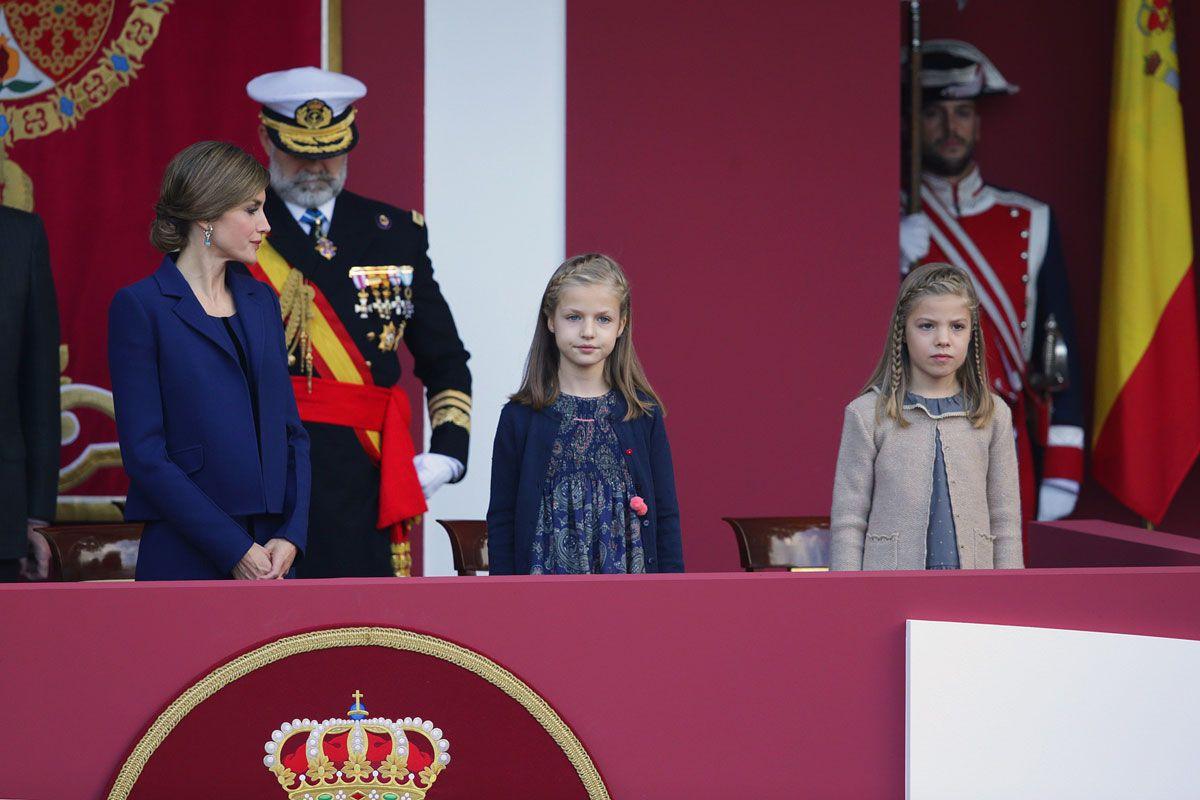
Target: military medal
x: 321, y: 243
x: 325, y: 247
x: 386, y: 292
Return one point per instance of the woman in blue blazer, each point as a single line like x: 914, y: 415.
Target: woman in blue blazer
x: 216, y: 455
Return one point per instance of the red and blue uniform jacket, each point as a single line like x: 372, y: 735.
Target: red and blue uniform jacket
x: 1010, y: 245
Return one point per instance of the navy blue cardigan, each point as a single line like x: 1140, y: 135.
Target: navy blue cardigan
x: 521, y: 458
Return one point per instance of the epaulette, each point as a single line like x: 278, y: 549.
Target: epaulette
x: 418, y: 218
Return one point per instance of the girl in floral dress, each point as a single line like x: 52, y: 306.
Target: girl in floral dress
x: 582, y: 480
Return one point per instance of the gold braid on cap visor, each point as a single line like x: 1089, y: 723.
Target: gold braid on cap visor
x: 307, y: 140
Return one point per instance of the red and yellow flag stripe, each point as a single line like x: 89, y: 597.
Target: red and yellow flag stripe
x: 1147, y: 405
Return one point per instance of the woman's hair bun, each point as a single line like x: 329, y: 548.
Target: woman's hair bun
x: 167, y: 233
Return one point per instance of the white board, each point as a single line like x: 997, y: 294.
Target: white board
x: 995, y: 711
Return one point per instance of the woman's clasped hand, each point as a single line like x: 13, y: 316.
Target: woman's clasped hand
x: 266, y: 562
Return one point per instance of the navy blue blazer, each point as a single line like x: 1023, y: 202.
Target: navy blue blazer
x: 186, y: 424
x: 521, y: 458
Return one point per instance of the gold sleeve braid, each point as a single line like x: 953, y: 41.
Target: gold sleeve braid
x: 450, y: 406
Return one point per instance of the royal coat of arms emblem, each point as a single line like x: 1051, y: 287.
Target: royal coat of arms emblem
x: 59, y: 60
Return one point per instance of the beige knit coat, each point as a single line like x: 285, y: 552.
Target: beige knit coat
x: 884, y: 480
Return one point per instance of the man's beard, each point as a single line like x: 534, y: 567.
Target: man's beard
x: 932, y: 161
x: 304, y: 188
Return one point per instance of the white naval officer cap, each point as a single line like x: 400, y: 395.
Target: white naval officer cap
x: 308, y: 111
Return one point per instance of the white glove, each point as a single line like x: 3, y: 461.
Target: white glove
x: 1056, y: 499
x: 435, y: 470
x: 914, y: 240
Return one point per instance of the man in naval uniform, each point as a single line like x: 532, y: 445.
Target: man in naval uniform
x: 1009, y: 243
x: 354, y: 280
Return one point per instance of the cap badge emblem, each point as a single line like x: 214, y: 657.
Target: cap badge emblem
x: 314, y: 114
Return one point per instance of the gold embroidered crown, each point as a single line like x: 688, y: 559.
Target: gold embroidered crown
x: 360, y: 758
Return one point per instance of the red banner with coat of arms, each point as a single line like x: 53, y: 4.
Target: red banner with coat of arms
x: 96, y: 96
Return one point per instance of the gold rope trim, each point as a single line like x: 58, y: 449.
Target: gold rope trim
x: 296, y: 305
x: 394, y: 638
x: 402, y: 559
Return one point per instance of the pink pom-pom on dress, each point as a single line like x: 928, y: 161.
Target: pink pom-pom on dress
x: 639, y: 506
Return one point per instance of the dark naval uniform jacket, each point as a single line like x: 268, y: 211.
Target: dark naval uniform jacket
x: 343, y: 539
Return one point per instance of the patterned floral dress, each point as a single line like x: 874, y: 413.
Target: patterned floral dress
x: 585, y: 524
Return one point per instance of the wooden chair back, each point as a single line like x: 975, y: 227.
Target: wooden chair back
x: 797, y: 543
x: 468, y: 543
x: 93, y: 552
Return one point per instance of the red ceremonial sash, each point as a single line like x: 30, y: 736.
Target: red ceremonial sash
x: 379, y: 410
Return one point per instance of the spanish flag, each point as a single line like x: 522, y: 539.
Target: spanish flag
x: 1147, y: 410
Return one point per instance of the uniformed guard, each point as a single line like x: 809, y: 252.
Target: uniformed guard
x: 1009, y: 243
x: 354, y: 280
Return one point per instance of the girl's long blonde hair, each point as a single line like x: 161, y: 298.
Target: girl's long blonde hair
x: 891, y: 376
x: 539, y: 385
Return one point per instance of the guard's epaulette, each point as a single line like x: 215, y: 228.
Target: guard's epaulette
x: 418, y: 218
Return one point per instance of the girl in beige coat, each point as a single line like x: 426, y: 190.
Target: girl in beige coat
x: 927, y: 470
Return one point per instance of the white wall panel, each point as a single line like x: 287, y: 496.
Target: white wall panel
x: 495, y: 116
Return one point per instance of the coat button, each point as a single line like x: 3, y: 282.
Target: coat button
x: 645, y: 523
